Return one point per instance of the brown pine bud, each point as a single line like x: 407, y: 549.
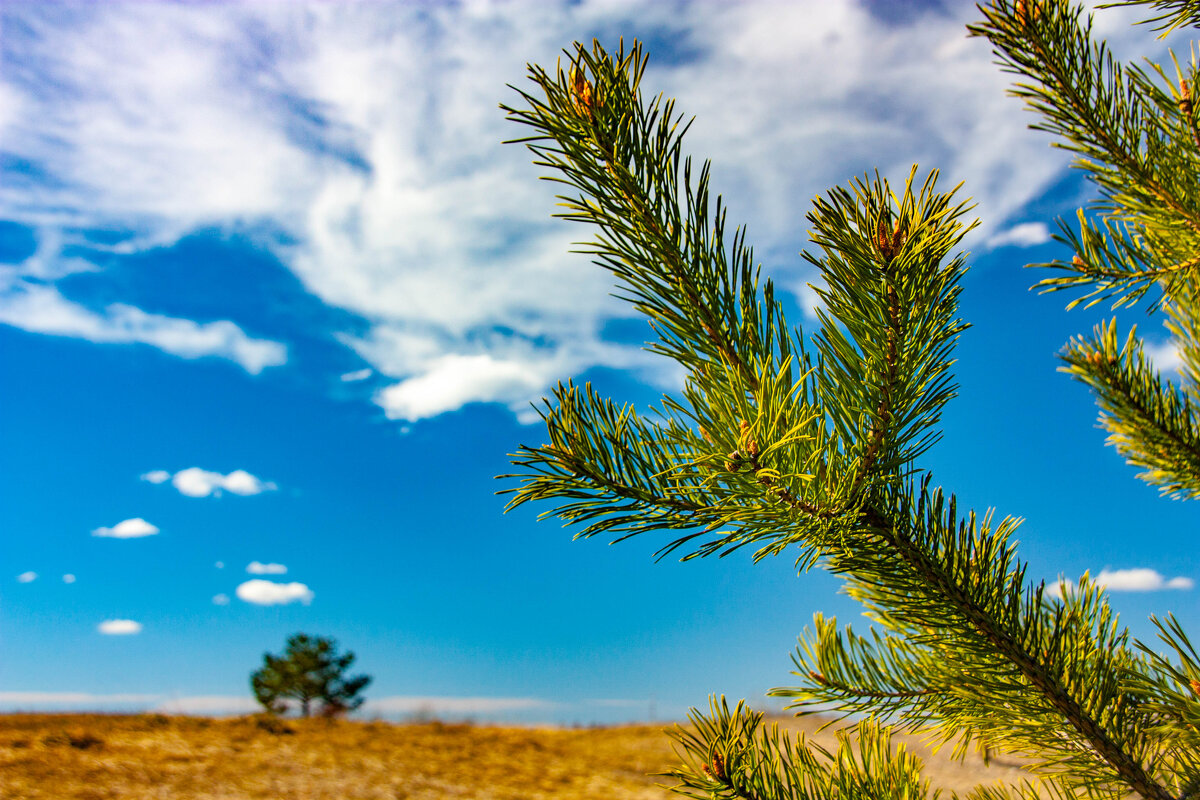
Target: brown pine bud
x: 718, y: 767
x: 1195, y: 684
x: 1027, y: 12
x: 1185, y: 98
x: 897, y: 238
x: 883, y: 239
x: 753, y: 448
x: 581, y: 92
x: 1077, y: 262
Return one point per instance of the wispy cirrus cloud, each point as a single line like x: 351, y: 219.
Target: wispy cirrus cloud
x: 360, y: 145
x: 1025, y: 234
x: 39, y: 308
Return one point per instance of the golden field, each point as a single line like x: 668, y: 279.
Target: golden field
x: 97, y: 757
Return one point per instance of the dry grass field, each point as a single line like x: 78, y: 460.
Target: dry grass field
x: 97, y: 757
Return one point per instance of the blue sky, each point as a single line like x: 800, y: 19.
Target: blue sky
x: 274, y: 301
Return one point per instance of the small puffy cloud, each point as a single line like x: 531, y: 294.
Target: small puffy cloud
x: 196, y: 482
x: 1027, y: 234
x: 1140, y: 579
x: 129, y: 529
x: 68, y: 578
x: 219, y: 565
x: 27, y: 577
x: 221, y: 599
x: 1164, y: 355
x: 119, y: 627
x: 357, y: 375
x: 268, y: 593
x: 259, y: 568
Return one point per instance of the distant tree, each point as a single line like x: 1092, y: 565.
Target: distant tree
x: 309, y: 669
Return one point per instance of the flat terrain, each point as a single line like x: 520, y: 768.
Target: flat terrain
x: 96, y: 757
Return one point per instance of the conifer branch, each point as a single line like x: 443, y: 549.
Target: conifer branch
x: 1107, y: 113
x: 765, y: 447
x: 1149, y: 421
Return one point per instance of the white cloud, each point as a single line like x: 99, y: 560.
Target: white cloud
x: 39, y: 308
x: 79, y: 700
x: 1164, y: 355
x: 453, y: 381
x: 129, y: 529
x: 1139, y: 579
x: 451, y: 705
x: 220, y: 599
x: 258, y: 568
x: 196, y: 482
x: 268, y: 593
x: 68, y: 578
x: 119, y: 627
x: 1026, y: 234
x: 27, y: 577
x: 209, y: 704
x: 357, y: 375
x: 219, y: 565
x: 360, y: 144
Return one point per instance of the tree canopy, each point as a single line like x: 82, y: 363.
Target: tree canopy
x: 309, y: 670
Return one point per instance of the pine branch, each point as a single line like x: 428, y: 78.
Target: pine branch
x: 733, y: 755
x: 1126, y: 130
x: 765, y: 447
x: 1150, y: 422
x: 1180, y: 13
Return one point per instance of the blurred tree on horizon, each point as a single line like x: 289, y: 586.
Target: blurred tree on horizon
x: 309, y: 670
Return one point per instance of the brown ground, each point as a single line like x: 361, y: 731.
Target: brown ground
x: 96, y: 757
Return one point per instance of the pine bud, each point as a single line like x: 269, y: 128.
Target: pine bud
x: 1195, y: 684
x: 718, y: 767
x: 753, y: 448
x: 1027, y: 13
x: 1077, y: 262
x: 1185, y: 98
x: 581, y: 92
